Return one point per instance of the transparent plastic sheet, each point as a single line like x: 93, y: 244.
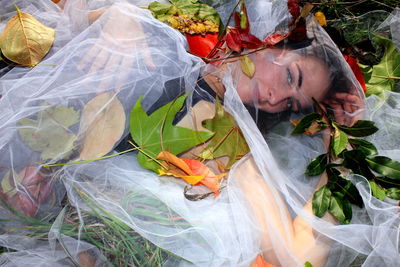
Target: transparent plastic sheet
x: 226, y: 231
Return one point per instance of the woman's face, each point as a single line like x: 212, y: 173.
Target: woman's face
x: 284, y: 80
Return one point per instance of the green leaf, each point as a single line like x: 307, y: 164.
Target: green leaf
x: 320, y: 202
x: 387, y: 182
x: 393, y: 193
x: 340, y: 209
x: 377, y: 191
x: 228, y: 139
x: 155, y: 132
x: 364, y: 146
x: 385, y: 166
x: 308, y: 264
x: 355, y: 161
x: 248, y: 67
x: 342, y: 187
x: 317, y: 165
x: 383, y: 75
x: 49, y: 133
x: 361, y: 128
x: 339, y: 141
x: 305, y: 123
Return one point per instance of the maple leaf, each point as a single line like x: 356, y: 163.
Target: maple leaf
x: 155, y: 133
x: 228, y: 139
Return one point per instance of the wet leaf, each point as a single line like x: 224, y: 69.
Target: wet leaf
x: 377, y: 191
x: 49, y: 133
x: 102, y: 124
x: 320, y: 202
x: 248, y: 67
x: 393, y: 193
x: 340, y: 209
x: 361, y: 128
x: 261, y: 262
x: 305, y: 123
x: 383, y: 75
x: 25, y: 40
x: 385, y: 166
x: 228, y: 139
x: 339, y: 141
x: 317, y: 165
x: 155, y: 133
x: 364, y: 146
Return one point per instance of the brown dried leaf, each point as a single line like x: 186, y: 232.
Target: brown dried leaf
x: 102, y: 123
x: 25, y: 40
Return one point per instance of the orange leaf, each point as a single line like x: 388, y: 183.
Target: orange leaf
x: 177, y: 162
x: 261, y: 262
x: 191, y: 171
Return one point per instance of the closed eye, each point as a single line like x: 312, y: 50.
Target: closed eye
x: 289, y: 76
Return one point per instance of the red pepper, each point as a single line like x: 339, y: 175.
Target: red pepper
x: 356, y: 70
x: 201, y: 45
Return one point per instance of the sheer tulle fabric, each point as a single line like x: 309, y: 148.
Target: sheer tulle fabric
x: 128, y: 53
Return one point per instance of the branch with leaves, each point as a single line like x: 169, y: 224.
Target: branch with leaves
x: 347, y: 153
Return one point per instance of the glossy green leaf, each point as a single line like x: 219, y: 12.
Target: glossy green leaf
x: 305, y: 123
x: 339, y: 141
x: 228, y: 139
x: 355, y: 161
x: 393, y: 193
x: 386, y: 182
x: 308, y: 264
x: 343, y: 187
x: 320, y: 202
x: 382, y: 76
x: 49, y: 133
x: 361, y: 128
x: 377, y: 191
x: 317, y: 165
x: 385, y: 166
x: 364, y: 146
x: 155, y: 132
x: 340, y: 209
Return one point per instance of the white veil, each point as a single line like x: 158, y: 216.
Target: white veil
x: 89, y: 58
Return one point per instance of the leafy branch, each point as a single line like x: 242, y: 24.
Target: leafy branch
x: 347, y: 153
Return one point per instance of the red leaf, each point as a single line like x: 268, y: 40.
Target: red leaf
x: 250, y: 41
x: 294, y: 8
x: 274, y: 38
x: 356, y: 70
x: 233, y: 41
x: 200, y: 45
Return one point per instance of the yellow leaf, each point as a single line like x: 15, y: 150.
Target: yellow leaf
x: 25, y: 40
x: 320, y: 17
x: 102, y: 124
x: 193, y: 180
x: 247, y: 65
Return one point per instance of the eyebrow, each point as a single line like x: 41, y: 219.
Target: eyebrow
x: 300, y: 79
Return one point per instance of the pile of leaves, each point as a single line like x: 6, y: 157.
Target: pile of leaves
x: 160, y: 142
x: 347, y: 154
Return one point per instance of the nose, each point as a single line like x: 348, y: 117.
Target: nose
x: 275, y: 95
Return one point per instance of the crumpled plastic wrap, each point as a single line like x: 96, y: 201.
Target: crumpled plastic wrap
x: 127, y: 53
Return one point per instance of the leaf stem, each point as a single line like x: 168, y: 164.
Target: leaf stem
x: 387, y: 77
x: 90, y: 160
